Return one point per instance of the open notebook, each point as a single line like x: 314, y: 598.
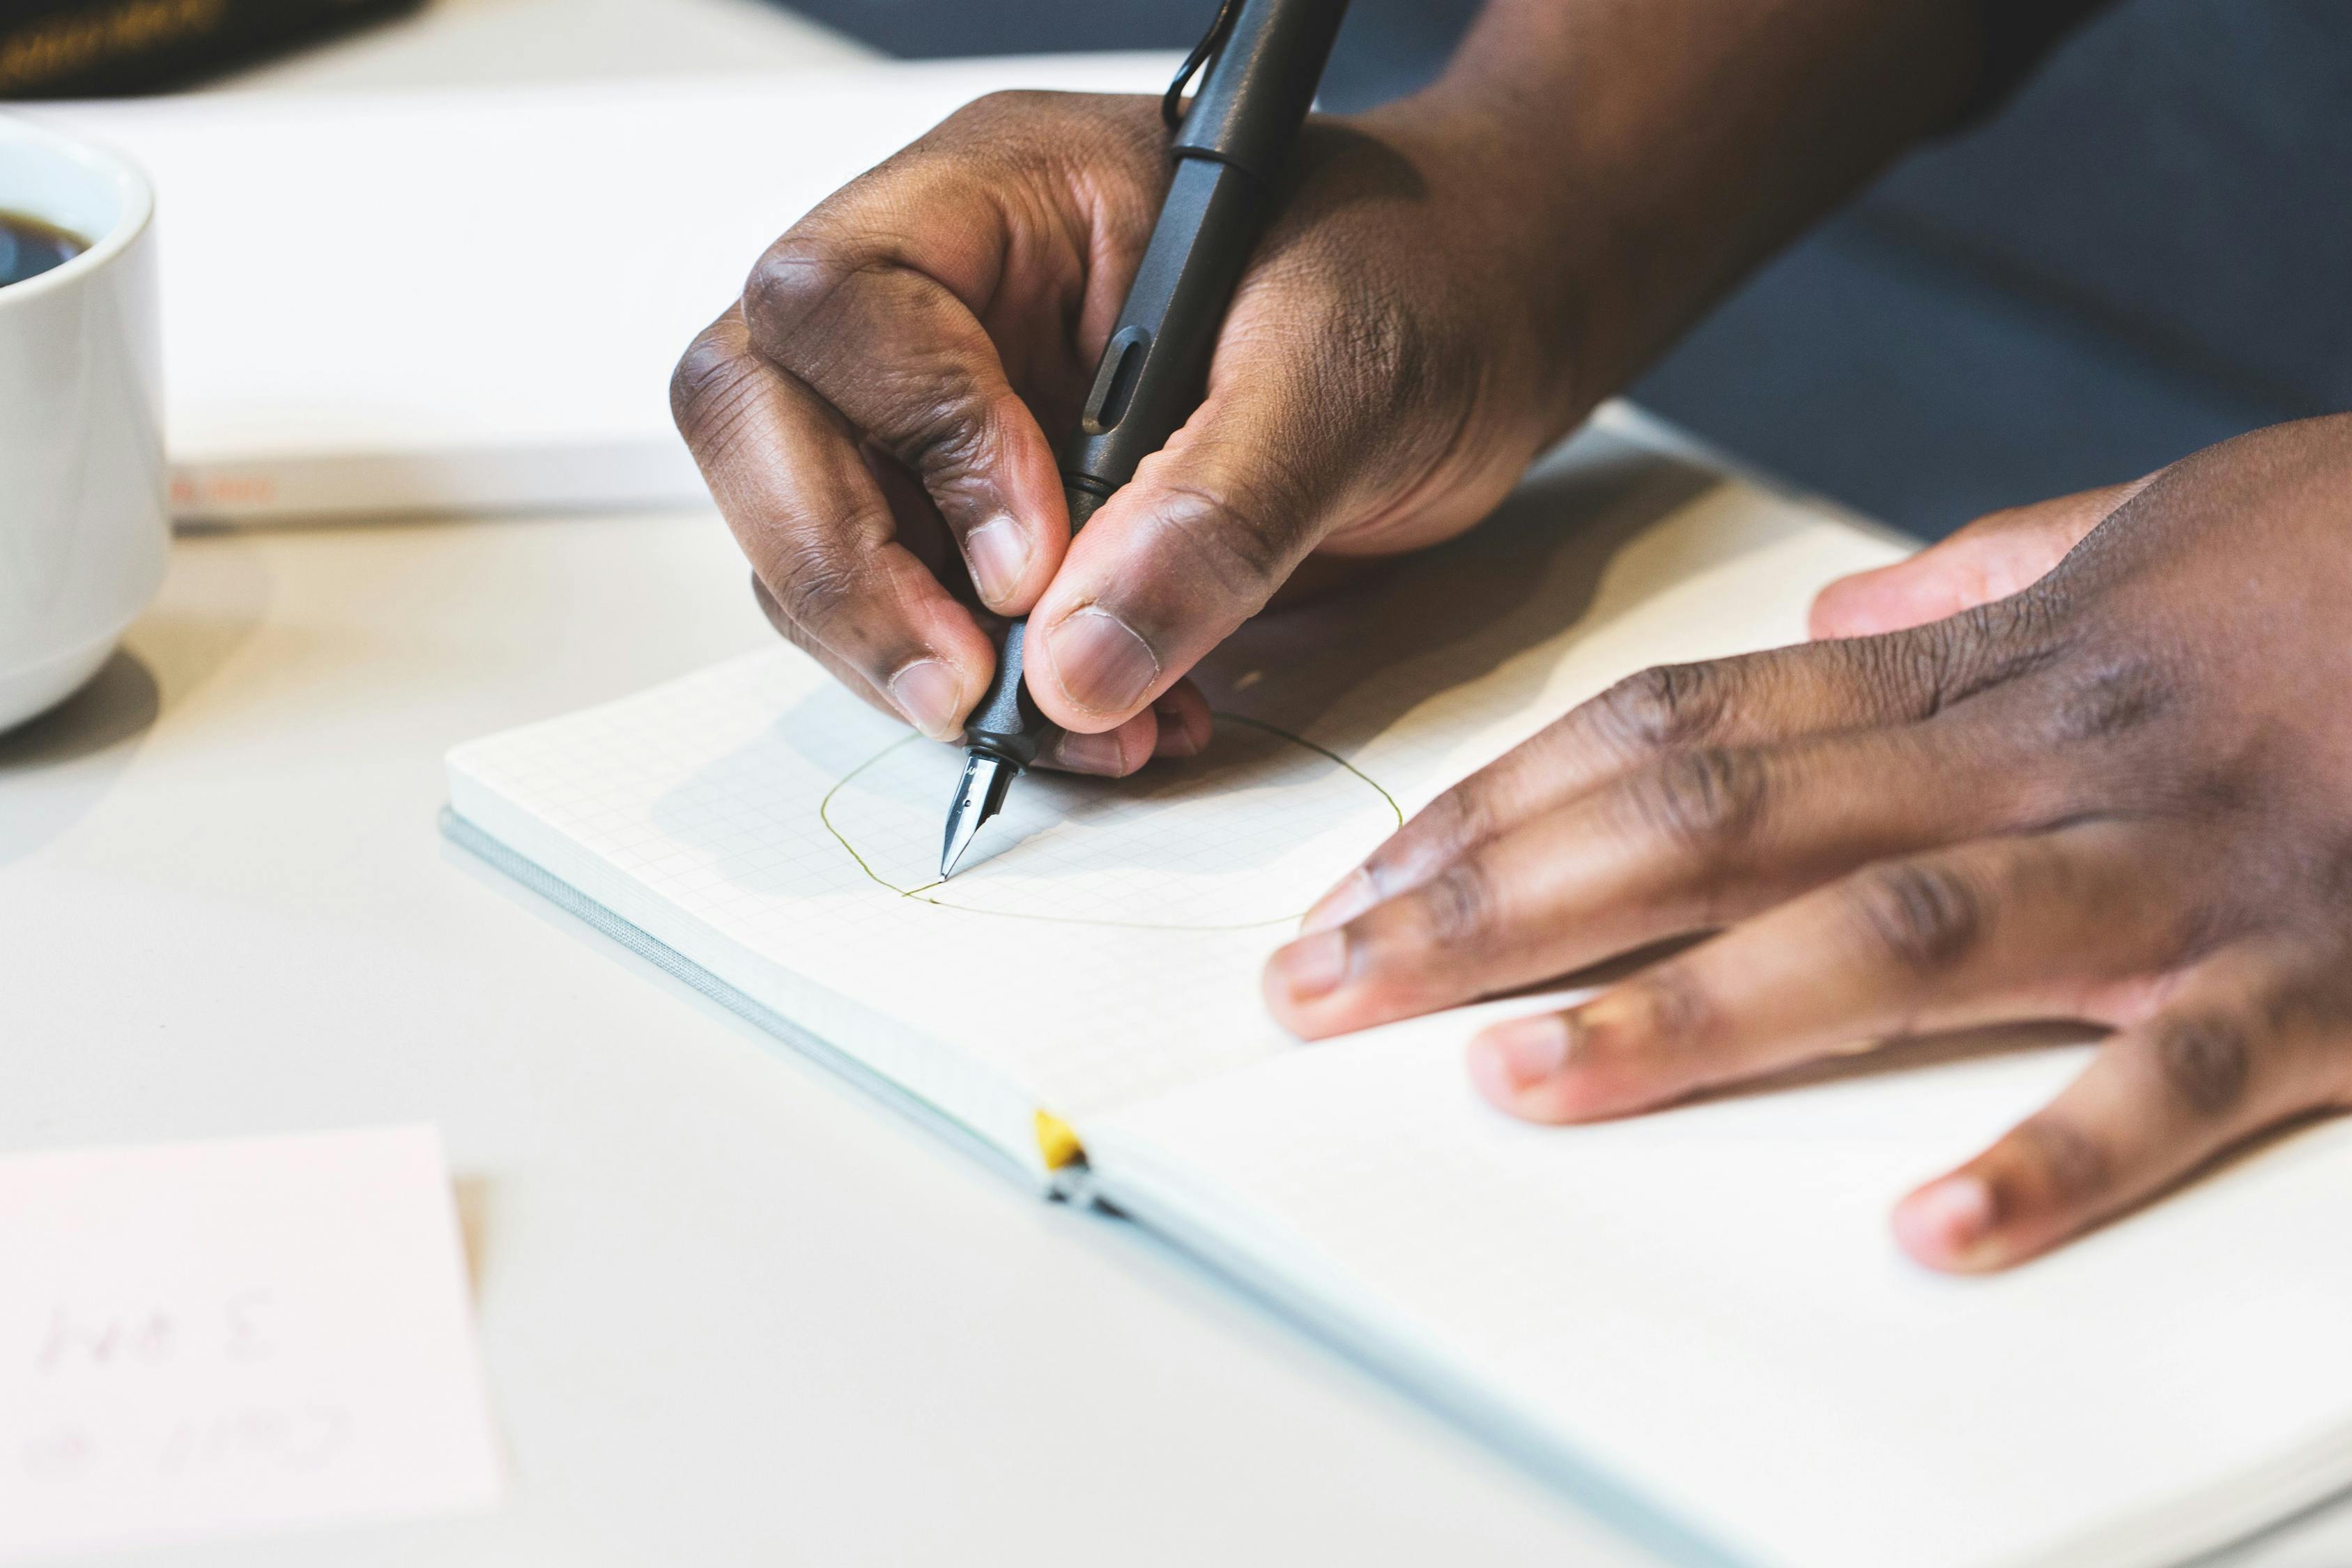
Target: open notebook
x: 1695, y: 1321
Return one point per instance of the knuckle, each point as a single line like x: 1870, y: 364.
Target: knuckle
x: 2032, y: 618
x: 813, y: 583
x: 1665, y: 706
x: 792, y: 280
x: 1457, y: 820
x: 2109, y: 701
x: 2072, y: 1166
x: 1992, y: 644
x: 1678, y: 1010
x: 2204, y: 1063
x: 1245, y: 534
x: 1457, y: 907
x: 939, y: 431
x: 933, y: 415
x: 1708, y: 798
x: 1926, y: 917
x: 1906, y: 670
x: 1926, y: 661
x: 705, y: 390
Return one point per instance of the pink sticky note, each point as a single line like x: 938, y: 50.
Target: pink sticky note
x: 201, y: 1338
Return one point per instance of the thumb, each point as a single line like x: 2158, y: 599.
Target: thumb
x: 1195, y: 544
x: 1991, y: 558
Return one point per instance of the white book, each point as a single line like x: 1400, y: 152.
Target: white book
x: 470, y: 299
x: 1695, y: 1321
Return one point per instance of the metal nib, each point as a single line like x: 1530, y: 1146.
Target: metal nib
x: 978, y: 798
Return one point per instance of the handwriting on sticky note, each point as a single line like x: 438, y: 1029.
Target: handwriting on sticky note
x: 212, y: 1338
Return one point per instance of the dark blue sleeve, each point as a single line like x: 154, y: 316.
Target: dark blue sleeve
x: 2017, y: 33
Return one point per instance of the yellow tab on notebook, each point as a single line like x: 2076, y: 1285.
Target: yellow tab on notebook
x: 1057, y: 1142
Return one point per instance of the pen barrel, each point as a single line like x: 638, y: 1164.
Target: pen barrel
x: 1229, y: 155
x: 1261, y: 85
x: 1154, y: 369
x: 1006, y: 723
x: 1083, y: 496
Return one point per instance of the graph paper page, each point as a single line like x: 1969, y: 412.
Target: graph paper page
x: 782, y: 835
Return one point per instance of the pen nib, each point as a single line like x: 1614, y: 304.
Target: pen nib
x: 980, y: 796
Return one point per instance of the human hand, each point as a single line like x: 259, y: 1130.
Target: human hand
x: 2121, y: 794
x: 1999, y: 554
x: 877, y: 417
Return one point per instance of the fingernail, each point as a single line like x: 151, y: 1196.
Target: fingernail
x: 1313, y: 965
x: 1173, y: 743
x: 998, y: 553
x: 1354, y: 895
x: 1089, y: 754
x: 1103, y: 665
x: 928, y: 694
x: 1174, y: 739
x: 1946, y: 1221
x: 1528, y: 1050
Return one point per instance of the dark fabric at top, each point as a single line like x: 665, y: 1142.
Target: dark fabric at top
x: 2017, y: 33
x: 1386, y: 48
x: 2174, y: 176
x: 2144, y: 250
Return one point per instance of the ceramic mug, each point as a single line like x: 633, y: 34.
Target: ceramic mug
x: 83, y: 525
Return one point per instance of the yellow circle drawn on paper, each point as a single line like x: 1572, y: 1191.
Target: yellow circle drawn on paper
x: 925, y: 893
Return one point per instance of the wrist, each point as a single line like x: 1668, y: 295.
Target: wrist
x: 1629, y: 163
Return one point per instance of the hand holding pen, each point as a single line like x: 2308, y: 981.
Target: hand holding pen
x: 879, y: 416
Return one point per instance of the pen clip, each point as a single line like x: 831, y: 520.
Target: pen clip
x: 1171, y: 113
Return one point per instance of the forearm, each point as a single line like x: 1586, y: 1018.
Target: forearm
x: 1640, y: 156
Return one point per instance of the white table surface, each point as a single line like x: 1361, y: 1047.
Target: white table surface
x: 732, y: 1311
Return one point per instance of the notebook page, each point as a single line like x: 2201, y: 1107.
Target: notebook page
x: 1706, y: 1305
x: 774, y: 830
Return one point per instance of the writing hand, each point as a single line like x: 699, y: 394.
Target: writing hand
x: 2122, y: 793
x: 876, y: 416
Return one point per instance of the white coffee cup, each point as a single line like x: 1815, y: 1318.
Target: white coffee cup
x: 83, y: 525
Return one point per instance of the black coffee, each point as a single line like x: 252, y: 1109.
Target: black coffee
x: 29, y: 248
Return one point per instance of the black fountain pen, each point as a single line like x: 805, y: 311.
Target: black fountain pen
x: 1265, y: 59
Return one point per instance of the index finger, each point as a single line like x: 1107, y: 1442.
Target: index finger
x: 1777, y: 696
x: 882, y: 302
x: 819, y: 532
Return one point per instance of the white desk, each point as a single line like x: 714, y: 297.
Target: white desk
x: 733, y: 1313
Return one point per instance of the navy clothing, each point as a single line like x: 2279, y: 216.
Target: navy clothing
x: 2017, y: 33
x: 2147, y: 248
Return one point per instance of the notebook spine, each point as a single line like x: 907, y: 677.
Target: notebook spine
x: 96, y: 49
